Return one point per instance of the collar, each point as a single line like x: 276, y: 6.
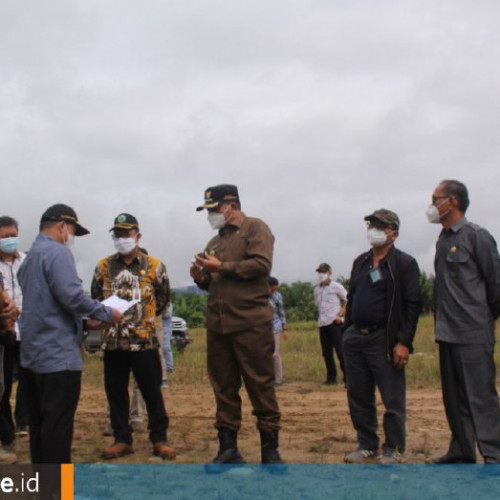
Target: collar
x: 236, y: 223
x: 17, y: 255
x: 454, y: 228
x: 459, y: 224
x: 369, y: 254
x: 119, y: 258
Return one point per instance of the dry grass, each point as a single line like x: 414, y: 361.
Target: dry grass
x: 315, y: 419
x: 301, y: 355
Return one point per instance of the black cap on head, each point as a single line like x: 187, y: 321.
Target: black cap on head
x: 61, y: 212
x: 324, y: 268
x: 387, y: 217
x: 216, y: 195
x: 125, y: 221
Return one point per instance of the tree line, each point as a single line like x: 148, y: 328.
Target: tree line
x: 298, y: 298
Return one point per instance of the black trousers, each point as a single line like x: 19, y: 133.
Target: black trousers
x: 146, y: 367
x: 244, y: 355
x: 330, y: 337
x: 471, y: 400
x: 7, y: 426
x: 367, y: 367
x: 51, y: 399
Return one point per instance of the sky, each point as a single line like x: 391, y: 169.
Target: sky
x: 320, y: 111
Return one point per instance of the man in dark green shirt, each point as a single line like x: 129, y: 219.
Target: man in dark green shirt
x: 467, y: 302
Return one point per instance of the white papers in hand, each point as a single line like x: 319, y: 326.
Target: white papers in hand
x: 121, y: 304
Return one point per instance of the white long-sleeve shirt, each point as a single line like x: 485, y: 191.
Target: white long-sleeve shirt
x: 11, y: 285
x: 328, y: 299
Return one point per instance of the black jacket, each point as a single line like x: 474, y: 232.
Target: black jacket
x: 404, y: 301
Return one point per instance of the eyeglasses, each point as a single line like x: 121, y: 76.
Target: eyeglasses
x: 436, y: 198
x: 378, y: 225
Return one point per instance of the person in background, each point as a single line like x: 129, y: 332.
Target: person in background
x: 330, y: 299
x: 8, y: 315
x: 52, y: 322
x: 10, y: 261
x: 167, y: 338
x: 467, y: 302
x: 279, y: 326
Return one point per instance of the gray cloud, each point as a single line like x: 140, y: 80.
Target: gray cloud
x: 320, y: 111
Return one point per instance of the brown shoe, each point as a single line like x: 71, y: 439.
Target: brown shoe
x: 164, y: 451
x: 117, y: 450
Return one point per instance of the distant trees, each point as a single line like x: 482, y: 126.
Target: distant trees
x: 190, y: 306
x: 298, y: 298
x: 427, y: 290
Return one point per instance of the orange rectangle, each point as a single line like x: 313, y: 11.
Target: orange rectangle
x: 67, y: 482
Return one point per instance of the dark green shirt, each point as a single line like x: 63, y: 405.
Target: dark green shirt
x: 467, y: 285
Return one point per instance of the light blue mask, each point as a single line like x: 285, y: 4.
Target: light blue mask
x: 10, y: 244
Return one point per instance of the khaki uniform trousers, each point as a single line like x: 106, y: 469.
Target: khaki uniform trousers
x: 246, y: 355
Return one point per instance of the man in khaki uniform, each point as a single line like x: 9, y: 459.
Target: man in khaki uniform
x: 235, y: 268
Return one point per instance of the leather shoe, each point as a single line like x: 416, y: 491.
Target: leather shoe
x: 452, y: 459
x: 117, y: 450
x: 164, y: 451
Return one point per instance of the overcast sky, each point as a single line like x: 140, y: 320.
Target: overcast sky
x: 320, y: 111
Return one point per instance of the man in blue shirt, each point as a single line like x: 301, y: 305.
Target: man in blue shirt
x: 51, y: 323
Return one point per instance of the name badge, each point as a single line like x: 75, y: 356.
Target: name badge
x: 375, y: 275
x: 136, y: 294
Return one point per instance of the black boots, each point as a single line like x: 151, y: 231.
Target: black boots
x: 228, y: 448
x: 269, y: 448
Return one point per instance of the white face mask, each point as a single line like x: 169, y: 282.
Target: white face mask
x: 432, y: 212
x: 69, y: 240
x: 376, y: 237
x: 322, y: 277
x: 124, y: 246
x: 216, y: 220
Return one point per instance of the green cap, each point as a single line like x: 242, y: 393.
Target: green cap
x: 385, y: 216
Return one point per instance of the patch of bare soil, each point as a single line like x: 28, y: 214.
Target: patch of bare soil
x: 316, y: 427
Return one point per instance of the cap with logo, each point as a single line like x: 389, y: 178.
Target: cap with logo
x: 385, y: 216
x: 324, y: 268
x: 125, y: 221
x: 216, y: 195
x: 63, y: 213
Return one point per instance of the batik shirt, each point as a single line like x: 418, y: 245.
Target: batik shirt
x: 144, y: 279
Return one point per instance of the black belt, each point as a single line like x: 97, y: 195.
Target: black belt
x: 366, y: 330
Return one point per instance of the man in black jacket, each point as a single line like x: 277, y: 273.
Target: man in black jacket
x: 383, y: 306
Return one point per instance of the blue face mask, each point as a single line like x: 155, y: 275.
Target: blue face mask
x: 10, y: 244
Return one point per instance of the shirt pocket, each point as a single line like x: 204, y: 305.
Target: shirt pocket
x: 457, y: 262
x: 236, y: 250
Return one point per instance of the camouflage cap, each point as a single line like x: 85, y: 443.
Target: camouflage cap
x: 385, y: 216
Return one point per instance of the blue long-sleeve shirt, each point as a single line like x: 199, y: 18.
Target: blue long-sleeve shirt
x: 279, y: 319
x: 54, y: 304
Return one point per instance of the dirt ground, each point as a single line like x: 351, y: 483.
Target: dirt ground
x: 316, y: 427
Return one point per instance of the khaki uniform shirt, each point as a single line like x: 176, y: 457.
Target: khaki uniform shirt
x: 239, y: 293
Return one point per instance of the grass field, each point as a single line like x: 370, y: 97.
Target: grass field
x: 301, y: 355
x: 316, y: 426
